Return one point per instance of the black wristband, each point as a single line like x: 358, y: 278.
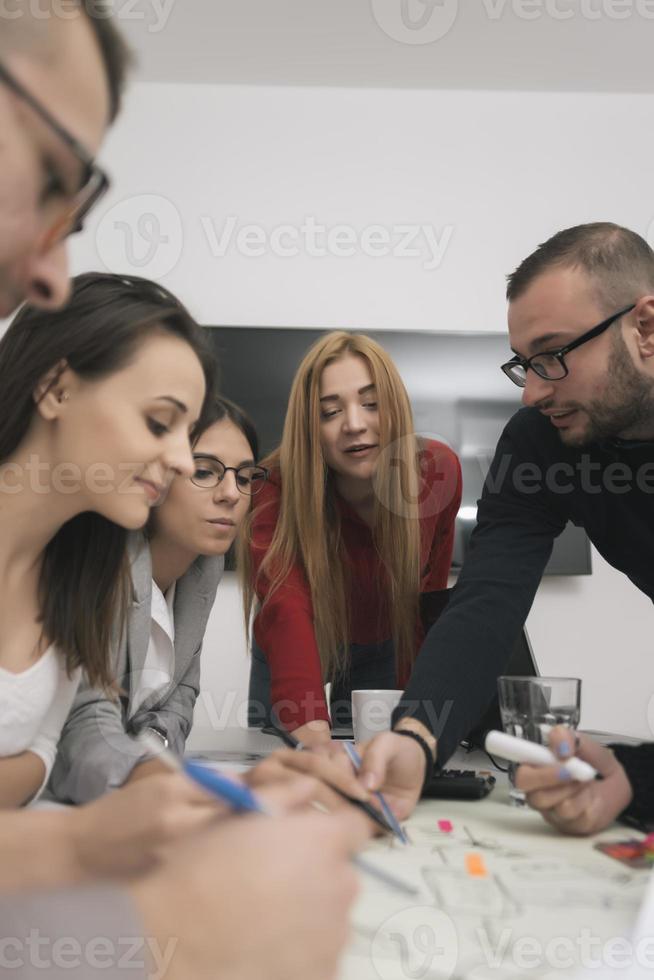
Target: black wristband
x: 429, y: 758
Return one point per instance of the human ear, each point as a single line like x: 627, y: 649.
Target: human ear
x: 644, y: 315
x: 53, y: 391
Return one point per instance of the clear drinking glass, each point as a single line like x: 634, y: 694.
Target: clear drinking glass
x: 531, y: 706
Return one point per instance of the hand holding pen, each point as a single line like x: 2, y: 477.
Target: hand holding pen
x: 384, y: 819
x: 241, y: 799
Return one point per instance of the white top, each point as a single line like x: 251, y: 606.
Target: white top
x: 159, y: 667
x: 34, y: 706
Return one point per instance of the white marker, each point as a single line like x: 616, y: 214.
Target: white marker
x: 520, y: 750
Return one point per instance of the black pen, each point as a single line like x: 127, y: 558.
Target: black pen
x: 292, y: 742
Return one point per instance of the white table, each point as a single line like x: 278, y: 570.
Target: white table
x: 547, y: 904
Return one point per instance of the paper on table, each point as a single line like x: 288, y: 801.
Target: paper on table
x: 540, y: 895
x: 637, y: 953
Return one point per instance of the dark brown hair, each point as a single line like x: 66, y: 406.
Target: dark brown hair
x: 217, y: 409
x: 84, y: 579
x: 618, y: 261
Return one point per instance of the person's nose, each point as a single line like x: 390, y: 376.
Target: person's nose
x: 536, y: 390
x: 47, y: 283
x: 353, y: 419
x: 178, y: 455
x: 227, y: 490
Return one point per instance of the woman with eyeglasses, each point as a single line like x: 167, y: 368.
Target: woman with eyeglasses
x: 96, y: 403
x: 356, y: 522
x: 176, y: 568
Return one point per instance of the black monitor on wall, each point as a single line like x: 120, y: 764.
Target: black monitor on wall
x: 458, y: 394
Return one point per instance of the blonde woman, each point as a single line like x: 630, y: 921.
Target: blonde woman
x: 356, y: 521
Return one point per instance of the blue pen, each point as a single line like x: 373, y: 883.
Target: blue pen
x: 391, y: 819
x: 241, y: 797
x: 237, y: 795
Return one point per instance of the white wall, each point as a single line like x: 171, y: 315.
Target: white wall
x: 502, y: 171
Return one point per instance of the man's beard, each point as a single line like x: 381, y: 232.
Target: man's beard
x: 626, y: 407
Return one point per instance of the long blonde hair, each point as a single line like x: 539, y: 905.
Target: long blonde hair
x: 308, y: 530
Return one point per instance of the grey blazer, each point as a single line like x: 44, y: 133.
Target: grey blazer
x: 97, y: 751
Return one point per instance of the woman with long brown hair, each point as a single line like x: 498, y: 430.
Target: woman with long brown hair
x: 356, y: 521
x: 175, y: 570
x: 96, y: 403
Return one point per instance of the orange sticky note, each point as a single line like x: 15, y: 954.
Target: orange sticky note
x: 475, y: 866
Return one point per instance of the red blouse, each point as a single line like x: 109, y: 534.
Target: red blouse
x: 283, y: 628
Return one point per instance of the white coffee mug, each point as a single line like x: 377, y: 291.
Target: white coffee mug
x: 371, y: 712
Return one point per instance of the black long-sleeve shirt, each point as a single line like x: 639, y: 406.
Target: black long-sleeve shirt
x: 535, y: 485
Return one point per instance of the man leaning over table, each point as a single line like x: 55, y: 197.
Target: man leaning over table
x: 581, y: 327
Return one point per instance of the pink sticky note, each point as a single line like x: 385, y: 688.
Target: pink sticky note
x: 445, y: 826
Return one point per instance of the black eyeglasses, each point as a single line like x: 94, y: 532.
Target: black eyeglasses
x: 551, y: 364
x: 210, y: 471
x: 94, y: 182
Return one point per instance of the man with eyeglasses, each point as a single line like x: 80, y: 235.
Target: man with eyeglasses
x: 188, y: 902
x: 581, y: 326
x: 60, y: 85
x: 61, y: 80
